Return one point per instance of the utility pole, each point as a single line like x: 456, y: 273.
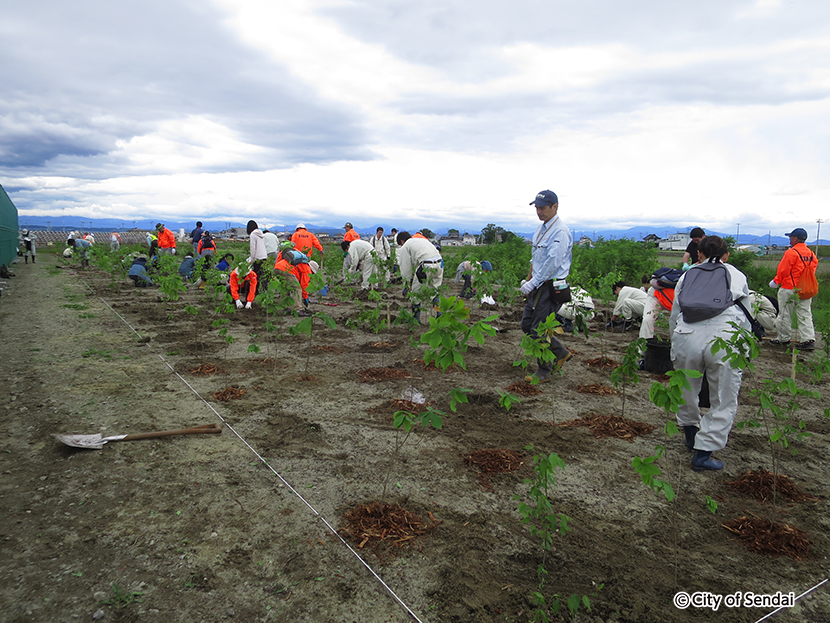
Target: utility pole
x: 738, y: 235
x: 818, y: 232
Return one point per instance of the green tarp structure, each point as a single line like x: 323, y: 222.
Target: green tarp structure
x: 8, y: 229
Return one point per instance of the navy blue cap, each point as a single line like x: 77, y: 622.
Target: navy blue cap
x: 798, y: 232
x: 545, y: 197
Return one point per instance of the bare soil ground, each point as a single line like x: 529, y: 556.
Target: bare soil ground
x: 241, y: 526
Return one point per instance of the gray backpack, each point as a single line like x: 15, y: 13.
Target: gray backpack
x: 706, y: 292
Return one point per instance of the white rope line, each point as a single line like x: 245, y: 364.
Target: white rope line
x: 275, y: 472
x: 777, y: 610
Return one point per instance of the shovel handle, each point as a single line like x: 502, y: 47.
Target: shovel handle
x: 196, y: 430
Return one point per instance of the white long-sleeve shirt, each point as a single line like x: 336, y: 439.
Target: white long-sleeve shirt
x: 627, y: 292
x: 381, y: 247
x: 551, y: 255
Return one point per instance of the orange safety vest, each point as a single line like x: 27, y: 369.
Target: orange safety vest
x: 796, y: 260
x: 167, y: 240
x: 351, y: 235
x: 665, y: 297
x: 306, y: 242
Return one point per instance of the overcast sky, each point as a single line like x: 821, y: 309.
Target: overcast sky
x: 432, y: 113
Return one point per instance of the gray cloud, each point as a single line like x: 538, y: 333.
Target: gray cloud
x: 81, y: 76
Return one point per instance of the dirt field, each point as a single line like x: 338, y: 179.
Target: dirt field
x: 241, y: 526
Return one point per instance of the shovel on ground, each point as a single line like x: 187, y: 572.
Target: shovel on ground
x: 96, y: 442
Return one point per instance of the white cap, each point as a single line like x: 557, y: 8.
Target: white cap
x: 300, y: 226
x: 314, y: 266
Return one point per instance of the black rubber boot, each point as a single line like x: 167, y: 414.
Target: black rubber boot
x: 702, y: 461
x: 690, y: 432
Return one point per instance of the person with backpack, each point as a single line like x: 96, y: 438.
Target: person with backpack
x: 707, y: 299
x: 294, y: 269
x: 196, y: 237
x: 796, y: 272
x: 660, y: 297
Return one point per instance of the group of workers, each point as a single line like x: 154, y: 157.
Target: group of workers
x: 717, y: 299
x: 547, y: 292
x: 792, y: 325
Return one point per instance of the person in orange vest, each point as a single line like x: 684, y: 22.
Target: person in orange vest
x: 305, y: 242
x: 166, y: 240
x: 294, y: 277
x: 246, y: 290
x: 791, y: 308
x: 350, y: 234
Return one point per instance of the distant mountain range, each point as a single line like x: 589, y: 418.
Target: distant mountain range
x: 634, y: 233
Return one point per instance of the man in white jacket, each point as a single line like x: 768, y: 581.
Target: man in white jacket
x: 360, y: 257
x: 630, y: 305
x: 421, y: 266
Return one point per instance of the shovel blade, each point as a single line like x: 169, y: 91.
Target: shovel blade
x: 90, y: 442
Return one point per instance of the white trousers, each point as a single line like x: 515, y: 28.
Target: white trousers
x: 651, y: 310
x: 691, y: 349
x: 367, y: 269
x: 794, y: 311
x: 632, y: 308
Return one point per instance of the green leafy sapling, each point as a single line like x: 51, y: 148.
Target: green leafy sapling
x: 405, y: 421
x: 458, y: 396
x: 670, y: 399
x: 306, y: 326
x: 627, y: 372
x: 448, y: 336
x: 538, y: 348
x: 507, y: 400
x: 546, y: 523
x: 711, y: 505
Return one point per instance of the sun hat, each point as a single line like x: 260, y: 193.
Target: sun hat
x: 314, y: 266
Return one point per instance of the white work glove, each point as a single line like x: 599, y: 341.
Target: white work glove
x: 248, y: 305
x: 527, y: 288
x: 174, y: 250
x: 773, y: 285
x: 238, y: 304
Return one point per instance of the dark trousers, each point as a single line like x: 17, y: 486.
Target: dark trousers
x: 537, y: 309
